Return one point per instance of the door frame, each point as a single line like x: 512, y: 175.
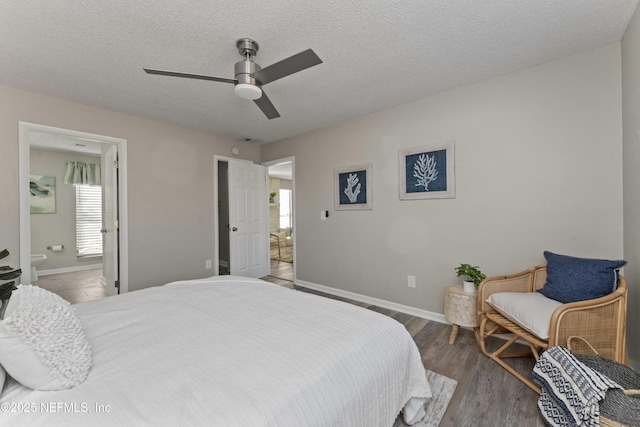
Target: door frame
x: 24, y: 163
x: 216, y: 235
x: 291, y: 159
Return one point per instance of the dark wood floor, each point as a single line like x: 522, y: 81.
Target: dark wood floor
x: 486, y: 395
x: 278, y: 270
x: 75, y: 287
x: 282, y: 270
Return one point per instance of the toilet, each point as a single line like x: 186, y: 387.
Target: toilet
x: 36, y: 260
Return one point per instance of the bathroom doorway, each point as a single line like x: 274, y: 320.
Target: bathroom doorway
x: 85, y: 259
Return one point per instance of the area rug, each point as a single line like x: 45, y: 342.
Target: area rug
x: 285, y: 255
x: 442, y: 389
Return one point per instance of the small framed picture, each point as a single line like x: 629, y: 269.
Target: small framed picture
x: 353, y: 188
x: 427, y: 172
x: 42, y: 194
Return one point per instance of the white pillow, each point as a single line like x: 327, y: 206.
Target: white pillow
x: 42, y: 343
x: 531, y: 310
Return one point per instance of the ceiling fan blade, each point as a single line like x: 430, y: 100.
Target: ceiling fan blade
x: 292, y: 64
x: 264, y: 103
x: 189, y: 76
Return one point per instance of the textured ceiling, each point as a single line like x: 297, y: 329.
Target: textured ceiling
x: 376, y: 53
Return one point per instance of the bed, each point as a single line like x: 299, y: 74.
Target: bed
x: 231, y: 351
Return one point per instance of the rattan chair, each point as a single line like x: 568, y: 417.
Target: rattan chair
x: 275, y: 242
x: 600, y: 322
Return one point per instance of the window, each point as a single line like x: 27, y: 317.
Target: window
x: 285, y: 209
x: 88, y: 220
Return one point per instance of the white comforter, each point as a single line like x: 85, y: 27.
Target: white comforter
x: 231, y: 351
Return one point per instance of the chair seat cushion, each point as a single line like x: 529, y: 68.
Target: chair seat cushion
x: 571, y: 279
x: 531, y: 310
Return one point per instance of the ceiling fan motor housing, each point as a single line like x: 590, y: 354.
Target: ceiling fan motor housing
x: 247, y: 87
x: 243, y: 71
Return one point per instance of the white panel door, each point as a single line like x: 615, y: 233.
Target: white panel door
x: 110, y: 225
x: 248, y: 224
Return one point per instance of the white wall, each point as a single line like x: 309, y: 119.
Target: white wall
x: 538, y: 167
x: 170, y: 175
x: 631, y: 129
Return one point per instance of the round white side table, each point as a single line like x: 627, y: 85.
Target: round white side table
x: 460, y: 308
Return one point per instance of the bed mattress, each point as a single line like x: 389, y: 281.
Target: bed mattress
x: 231, y: 351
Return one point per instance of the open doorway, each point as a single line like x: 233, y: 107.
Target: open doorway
x: 224, y: 255
x: 281, y: 218
x: 72, y: 237
x: 240, y: 217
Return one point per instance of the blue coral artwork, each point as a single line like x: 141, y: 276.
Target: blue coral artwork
x: 353, y: 188
x: 427, y: 172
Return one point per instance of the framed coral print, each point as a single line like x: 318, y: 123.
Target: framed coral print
x: 427, y: 172
x: 353, y: 187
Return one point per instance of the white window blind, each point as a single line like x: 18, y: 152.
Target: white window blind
x: 88, y: 220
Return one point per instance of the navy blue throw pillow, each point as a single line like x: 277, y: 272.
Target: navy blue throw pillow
x: 571, y: 279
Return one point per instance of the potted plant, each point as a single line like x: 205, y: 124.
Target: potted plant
x: 471, y: 276
x: 272, y: 197
x: 7, y: 284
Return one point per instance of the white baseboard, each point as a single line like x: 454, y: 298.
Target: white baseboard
x: 418, y: 312
x: 68, y: 269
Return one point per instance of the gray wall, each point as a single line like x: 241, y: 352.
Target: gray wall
x: 631, y: 129
x: 60, y: 227
x: 170, y: 171
x: 538, y: 167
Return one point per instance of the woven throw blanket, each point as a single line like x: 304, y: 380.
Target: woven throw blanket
x: 570, y: 389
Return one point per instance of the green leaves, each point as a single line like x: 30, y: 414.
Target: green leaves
x: 470, y: 273
x: 13, y: 274
x: 7, y: 273
x: 6, y: 290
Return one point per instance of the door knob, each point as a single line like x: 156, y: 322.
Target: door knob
x: 234, y: 229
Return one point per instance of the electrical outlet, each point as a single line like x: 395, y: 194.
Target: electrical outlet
x: 207, y: 264
x: 411, y: 281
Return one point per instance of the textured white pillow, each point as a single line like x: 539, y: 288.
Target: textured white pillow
x: 531, y: 310
x: 42, y: 342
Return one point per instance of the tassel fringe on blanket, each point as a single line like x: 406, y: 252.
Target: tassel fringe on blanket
x: 571, y: 391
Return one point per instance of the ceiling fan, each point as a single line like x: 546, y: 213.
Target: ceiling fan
x: 250, y: 77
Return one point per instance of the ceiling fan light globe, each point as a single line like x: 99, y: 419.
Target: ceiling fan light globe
x: 248, y: 91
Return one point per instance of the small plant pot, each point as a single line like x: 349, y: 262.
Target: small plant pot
x: 469, y: 287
